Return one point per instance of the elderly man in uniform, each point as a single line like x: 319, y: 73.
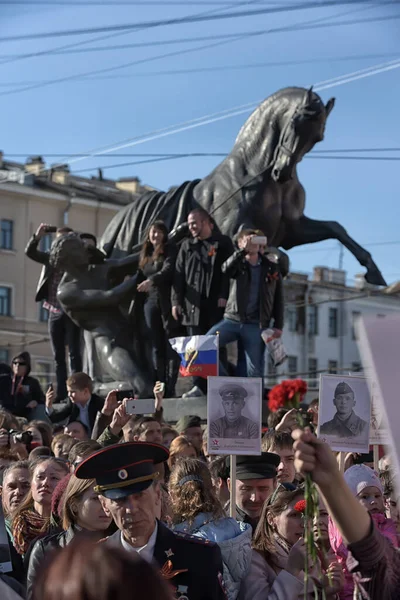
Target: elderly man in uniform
x: 345, y: 423
x: 129, y: 490
x: 234, y: 425
x: 255, y: 482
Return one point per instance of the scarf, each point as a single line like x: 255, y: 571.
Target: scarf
x: 26, y: 527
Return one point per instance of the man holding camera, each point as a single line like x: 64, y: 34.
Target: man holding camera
x: 255, y: 299
x: 62, y: 331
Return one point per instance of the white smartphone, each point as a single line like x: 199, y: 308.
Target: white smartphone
x: 140, y: 407
x: 261, y: 240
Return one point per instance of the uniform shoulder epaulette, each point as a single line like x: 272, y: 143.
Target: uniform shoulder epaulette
x: 193, y: 538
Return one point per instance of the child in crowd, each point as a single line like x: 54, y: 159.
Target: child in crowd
x: 367, y: 488
x: 392, y: 500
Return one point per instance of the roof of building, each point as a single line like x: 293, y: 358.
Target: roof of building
x: 58, y: 178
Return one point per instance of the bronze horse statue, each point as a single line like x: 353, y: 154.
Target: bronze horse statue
x: 255, y: 186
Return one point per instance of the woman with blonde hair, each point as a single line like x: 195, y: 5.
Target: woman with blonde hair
x: 32, y: 517
x: 180, y: 448
x: 197, y: 511
x: 82, y: 513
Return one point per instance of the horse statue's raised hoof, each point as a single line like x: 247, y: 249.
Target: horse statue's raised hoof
x: 374, y: 276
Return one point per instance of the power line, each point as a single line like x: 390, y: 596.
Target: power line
x: 184, y: 20
x: 227, y: 113
x: 308, y: 25
x: 192, y: 154
x: 68, y: 47
x: 125, y: 2
x: 89, y: 74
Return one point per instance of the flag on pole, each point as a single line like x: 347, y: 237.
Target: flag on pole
x: 198, y: 354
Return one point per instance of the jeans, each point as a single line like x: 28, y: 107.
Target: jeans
x: 158, y: 338
x: 249, y: 335
x: 63, y: 332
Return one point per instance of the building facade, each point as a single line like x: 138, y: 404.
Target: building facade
x: 30, y: 195
x: 319, y: 334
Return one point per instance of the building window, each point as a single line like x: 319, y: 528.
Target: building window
x: 356, y: 367
x: 43, y: 373
x: 333, y: 322
x: 291, y: 318
x: 6, y: 237
x: 5, y: 301
x: 43, y: 314
x: 45, y: 242
x: 355, y: 315
x: 332, y: 366
x: 4, y: 355
x: 312, y: 372
x: 292, y: 366
x: 313, y: 320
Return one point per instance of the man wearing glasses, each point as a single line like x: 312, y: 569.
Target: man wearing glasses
x: 234, y: 425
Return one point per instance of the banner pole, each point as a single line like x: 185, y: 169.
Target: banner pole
x: 232, y: 510
x: 376, y: 457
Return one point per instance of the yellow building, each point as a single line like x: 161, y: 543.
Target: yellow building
x: 30, y: 194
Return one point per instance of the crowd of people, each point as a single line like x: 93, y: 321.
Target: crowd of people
x: 108, y: 500
x: 101, y: 504
x: 203, y: 284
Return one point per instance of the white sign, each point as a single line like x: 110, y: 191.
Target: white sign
x: 344, y: 413
x: 234, y: 415
x: 379, y: 344
x: 140, y: 407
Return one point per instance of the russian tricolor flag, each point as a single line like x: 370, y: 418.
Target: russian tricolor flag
x: 199, y: 355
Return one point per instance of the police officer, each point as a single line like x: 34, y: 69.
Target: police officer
x: 345, y: 423
x: 127, y: 483
x: 234, y: 425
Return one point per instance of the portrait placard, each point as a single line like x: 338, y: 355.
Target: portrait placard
x: 234, y: 415
x: 378, y: 433
x: 344, y: 413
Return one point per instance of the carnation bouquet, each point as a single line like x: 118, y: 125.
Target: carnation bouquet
x: 287, y: 394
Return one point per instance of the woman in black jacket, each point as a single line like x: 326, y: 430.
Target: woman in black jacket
x: 26, y: 392
x: 156, y: 269
x: 82, y: 514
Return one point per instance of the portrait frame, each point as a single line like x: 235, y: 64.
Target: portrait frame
x: 239, y: 445
x: 354, y: 442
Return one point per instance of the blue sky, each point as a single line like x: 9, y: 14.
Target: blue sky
x: 79, y: 115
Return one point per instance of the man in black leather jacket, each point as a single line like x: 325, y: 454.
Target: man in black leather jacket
x: 62, y: 331
x: 255, y: 301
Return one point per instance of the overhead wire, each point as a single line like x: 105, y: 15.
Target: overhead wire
x: 222, y: 115
x: 89, y: 74
x: 113, y: 35
x: 96, y: 74
x: 188, y: 19
x: 187, y: 154
x: 191, y: 155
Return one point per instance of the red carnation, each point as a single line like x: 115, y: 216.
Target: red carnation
x: 287, y: 394
x: 300, y: 506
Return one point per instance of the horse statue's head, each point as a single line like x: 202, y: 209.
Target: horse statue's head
x: 281, y: 131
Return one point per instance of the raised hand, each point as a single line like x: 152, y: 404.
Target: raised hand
x: 110, y: 403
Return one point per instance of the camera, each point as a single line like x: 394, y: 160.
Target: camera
x: 21, y: 437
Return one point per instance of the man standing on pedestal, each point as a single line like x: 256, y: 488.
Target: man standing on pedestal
x: 129, y: 489
x: 199, y: 290
x: 62, y: 331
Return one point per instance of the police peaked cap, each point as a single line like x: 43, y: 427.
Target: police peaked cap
x: 123, y: 469
x: 256, y: 467
x: 230, y: 389
x: 343, y: 388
